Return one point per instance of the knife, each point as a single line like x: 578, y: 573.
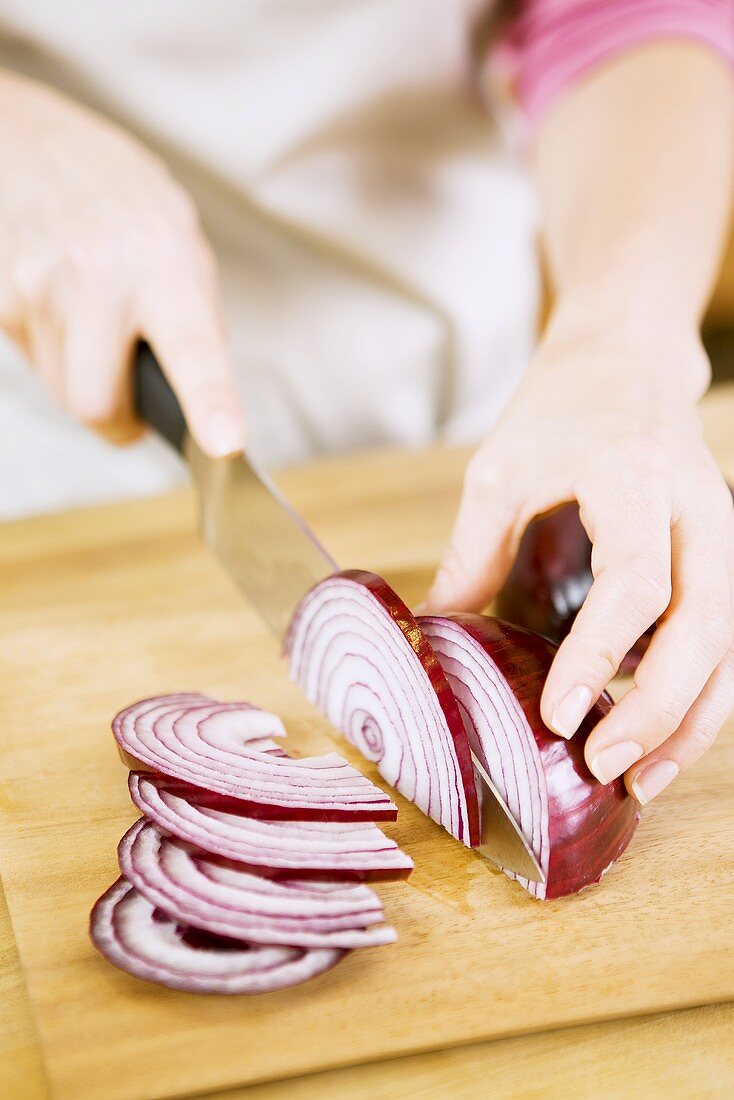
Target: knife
x: 274, y: 558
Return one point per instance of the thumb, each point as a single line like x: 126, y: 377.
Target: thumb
x: 482, y: 546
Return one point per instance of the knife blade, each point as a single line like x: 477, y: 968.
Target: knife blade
x: 274, y: 558
x: 502, y: 842
x: 262, y: 542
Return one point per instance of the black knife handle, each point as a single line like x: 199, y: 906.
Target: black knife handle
x: 155, y: 401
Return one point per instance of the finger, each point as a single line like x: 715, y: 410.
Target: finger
x: 44, y: 347
x: 629, y: 527
x: 97, y: 350
x: 181, y: 320
x: 696, y: 733
x: 483, y: 542
x: 687, y: 646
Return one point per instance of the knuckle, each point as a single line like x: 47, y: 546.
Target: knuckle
x: 642, y: 450
x: 702, y: 734
x: 646, y: 587
x: 453, y: 569
x: 29, y: 279
x: 198, y: 362
x: 668, y: 713
x: 155, y: 239
x: 89, y: 257
x: 164, y: 237
x: 481, y: 474
x: 486, y: 482
x: 95, y: 414
x: 714, y: 619
x: 718, y: 630
x: 605, y: 663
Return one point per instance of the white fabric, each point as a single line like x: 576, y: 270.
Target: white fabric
x: 375, y: 241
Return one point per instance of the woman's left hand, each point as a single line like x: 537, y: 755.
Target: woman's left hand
x: 609, y: 418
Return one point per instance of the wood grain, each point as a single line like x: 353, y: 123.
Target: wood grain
x: 21, y: 1074
x: 674, y: 1056
x: 102, y: 606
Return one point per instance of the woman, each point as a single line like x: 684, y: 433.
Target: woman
x: 377, y: 251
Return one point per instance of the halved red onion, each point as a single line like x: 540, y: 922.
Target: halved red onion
x: 279, y: 849
x: 187, y: 739
x: 576, y: 826
x: 358, y: 654
x: 142, y: 940
x: 228, y: 901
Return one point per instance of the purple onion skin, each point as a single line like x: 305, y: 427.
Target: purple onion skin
x: 590, y: 824
x: 551, y: 578
x: 228, y: 804
x: 341, y: 876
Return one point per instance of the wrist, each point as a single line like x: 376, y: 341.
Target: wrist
x: 654, y: 350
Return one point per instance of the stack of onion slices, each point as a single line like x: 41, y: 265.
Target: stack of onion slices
x: 246, y: 873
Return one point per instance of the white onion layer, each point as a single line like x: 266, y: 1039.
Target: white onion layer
x: 498, y: 731
x: 137, y: 938
x: 165, y: 735
x: 338, y: 848
x: 226, y: 901
x: 356, y: 663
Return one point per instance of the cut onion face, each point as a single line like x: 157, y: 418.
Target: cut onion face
x: 358, y: 654
x: 140, y: 939
x: 228, y: 901
x: 575, y: 826
x: 279, y: 849
x: 218, y: 748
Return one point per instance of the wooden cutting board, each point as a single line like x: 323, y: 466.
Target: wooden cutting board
x: 103, y: 606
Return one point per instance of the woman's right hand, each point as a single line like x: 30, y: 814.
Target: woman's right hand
x: 99, y: 248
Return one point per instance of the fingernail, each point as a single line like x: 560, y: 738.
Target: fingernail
x: 612, y: 762
x: 224, y: 436
x: 653, y: 779
x: 571, y: 711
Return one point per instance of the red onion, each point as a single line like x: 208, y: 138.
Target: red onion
x: 359, y: 655
x: 204, y: 909
x: 343, y: 850
x: 576, y: 827
x: 228, y: 901
x: 551, y: 577
x: 140, y: 939
x: 188, y: 739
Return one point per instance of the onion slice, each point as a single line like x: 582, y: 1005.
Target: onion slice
x: 187, y: 739
x: 279, y: 849
x: 576, y: 826
x: 359, y: 655
x: 228, y: 901
x: 140, y: 939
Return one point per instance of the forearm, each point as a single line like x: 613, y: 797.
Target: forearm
x: 634, y: 171
x: 634, y: 168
